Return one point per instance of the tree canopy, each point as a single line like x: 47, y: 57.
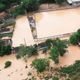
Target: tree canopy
x: 40, y: 64
x: 54, y: 55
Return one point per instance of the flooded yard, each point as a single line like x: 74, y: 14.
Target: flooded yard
x: 70, y: 57
x: 48, y: 24
x: 57, y: 22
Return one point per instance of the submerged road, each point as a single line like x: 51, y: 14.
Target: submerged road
x: 22, y: 33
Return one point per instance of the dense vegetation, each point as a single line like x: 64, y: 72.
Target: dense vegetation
x: 40, y: 64
x: 21, y: 6
x: 55, y: 55
x: 57, y: 47
x: 27, y: 51
x: 73, y: 70
x: 55, y: 78
x: 75, y: 38
x: 4, y: 49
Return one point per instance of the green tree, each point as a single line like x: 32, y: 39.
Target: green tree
x: 40, y: 64
x: 78, y: 35
x: 30, y: 5
x: 27, y: 51
x: 2, y: 7
x: 59, y: 1
x: 46, y: 1
x: 54, y: 55
x: 55, y: 78
x: 49, y: 43
x: 7, y: 64
x: 74, y: 39
x: 61, y: 45
x: 4, y: 49
x: 32, y: 51
x: 18, y: 11
x: 22, y: 51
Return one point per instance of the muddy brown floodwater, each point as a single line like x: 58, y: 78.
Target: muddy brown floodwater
x: 57, y: 22
x: 22, y: 33
x: 17, y: 70
x: 48, y: 24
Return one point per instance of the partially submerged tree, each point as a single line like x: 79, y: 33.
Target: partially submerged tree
x: 4, y: 49
x: 27, y: 51
x: 2, y: 7
x: 49, y: 43
x: 30, y: 5
x: 73, y: 39
x: 58, y: 49
x: 59, y: 1
x: 55, y: 78
x: 61, y: 45
x: 7, y: 64
x: 22, y: 51
x: 54, y: 55
x: 40, y: 64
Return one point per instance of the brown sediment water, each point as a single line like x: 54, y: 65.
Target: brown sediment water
x: 57, y: 22
x: 48, y: 24
x: 22, y: 33
x: 71, y: 56
x: 17, y: 70
x: 13, y: 72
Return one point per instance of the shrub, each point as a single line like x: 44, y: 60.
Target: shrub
x: 61, y: 45
x: 7, y: 64
x: 72, y: 69
x: 40, y: 64
x: 33, y: 51
x: 55, y: 78
x: 54, y: 55
x: 5, y: 50
x: 73, y: 39
x: 18, y: 56
x: 49, y: 43
x: 27, y: 51
x: 59, y: 1
x: 30, y: 5
x: 2, y: 7
x: 18, y: 11
x: 46, y: 1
